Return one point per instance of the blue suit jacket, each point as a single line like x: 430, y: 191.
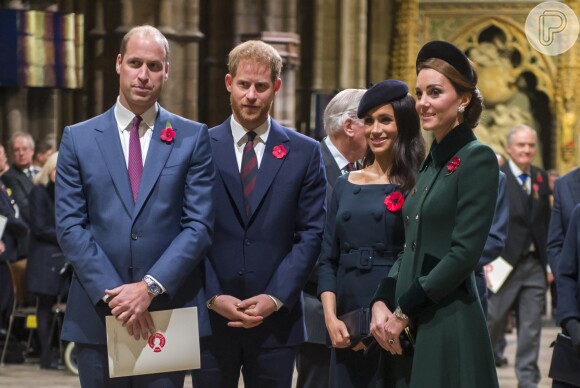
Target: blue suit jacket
x: 112, y: 240
x: 273, y: 250
x: 566, y: 196
x: 499, y: 226
x: 568, y: 279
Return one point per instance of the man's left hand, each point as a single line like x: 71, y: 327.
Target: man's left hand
x: 129, y: 304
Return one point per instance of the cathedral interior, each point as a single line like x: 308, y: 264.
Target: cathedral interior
x: 57, y: 65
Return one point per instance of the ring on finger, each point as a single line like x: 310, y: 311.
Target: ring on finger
x: 391, y: 341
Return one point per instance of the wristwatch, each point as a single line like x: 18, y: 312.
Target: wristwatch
x: 211, y: 301
x: 400, y: 315
x: 152, y: 286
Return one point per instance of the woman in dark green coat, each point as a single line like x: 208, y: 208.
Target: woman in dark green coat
x: 447, y: 216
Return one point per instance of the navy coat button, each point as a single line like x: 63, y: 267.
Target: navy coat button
x: 134, y: 236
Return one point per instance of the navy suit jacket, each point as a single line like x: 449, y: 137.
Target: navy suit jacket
x: 566, y: 196
x: 112, y: 240
x: 568, y: 279
x: 272, y: 250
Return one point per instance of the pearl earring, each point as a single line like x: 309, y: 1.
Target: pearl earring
x: 461, y: 109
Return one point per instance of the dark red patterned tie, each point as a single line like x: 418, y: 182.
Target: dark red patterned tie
x: 249, y: 169
x: 135, y: 158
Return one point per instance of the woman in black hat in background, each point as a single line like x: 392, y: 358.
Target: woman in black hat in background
x: 364, y: 231
x: 447, y: 219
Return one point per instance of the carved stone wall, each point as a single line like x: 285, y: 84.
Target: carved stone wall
x: 519, y: 84
x: 327, y: 45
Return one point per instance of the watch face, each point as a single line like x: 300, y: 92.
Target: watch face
x: 153, y: 288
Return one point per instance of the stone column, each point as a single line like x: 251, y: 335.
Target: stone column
x: 127, y: 17
x: 353, y: 43
x: 405, y: 48
x: 191, y: 36
x: 98, y: 34
x: 566, y: 107
x: 16, y: 99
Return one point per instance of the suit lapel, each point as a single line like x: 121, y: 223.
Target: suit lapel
x: 332, y: 169
x: 270, y: 164
x: 109, y: 143
x: 157, y: 156
x: 226, y: 163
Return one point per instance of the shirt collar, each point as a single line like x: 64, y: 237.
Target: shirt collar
x: 341, y: 161
x: 516, y: 170
x: 239, y: 132
x: 124, y: 116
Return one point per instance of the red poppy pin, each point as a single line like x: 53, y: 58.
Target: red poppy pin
x: 279, y: 151
x: 394, y: 201
x: 539, y: 178
x: 453, y: 164
x: 167, y: 134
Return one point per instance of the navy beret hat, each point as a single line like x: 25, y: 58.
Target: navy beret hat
x: 381, y: 93
x: 448, y: 53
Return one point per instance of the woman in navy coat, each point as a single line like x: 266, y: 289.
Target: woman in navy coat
x: 364, y: 230
x: 45, y: 258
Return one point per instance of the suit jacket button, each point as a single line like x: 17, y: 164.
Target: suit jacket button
x: 413, y: 245
x: 241, y: 272
x: 134, y: 236
x: 247, y: 242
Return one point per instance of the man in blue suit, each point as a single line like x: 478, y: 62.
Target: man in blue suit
x: 271, y: 191
x: 495, y: 240
x: 566, y: 197
x: 134, y: 213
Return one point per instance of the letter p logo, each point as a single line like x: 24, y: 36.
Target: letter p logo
x: 552, y: 27
x: 551, y: 22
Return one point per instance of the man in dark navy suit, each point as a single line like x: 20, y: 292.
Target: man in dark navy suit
x: 270, y: 192
x: 566, y: 197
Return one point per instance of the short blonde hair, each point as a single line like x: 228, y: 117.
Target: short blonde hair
x: 43, y: 177
x: 257, y: 51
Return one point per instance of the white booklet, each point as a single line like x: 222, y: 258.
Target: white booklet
x: 496, y: 273
x: 175, y: 345
x: 3, y: 222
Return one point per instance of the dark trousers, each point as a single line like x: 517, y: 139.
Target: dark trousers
x: 44, y: 321
x: 312, y: 365
x: 526, y: 289
x: 350, y: 369
x: 93, y: 366
x: 223, y: 359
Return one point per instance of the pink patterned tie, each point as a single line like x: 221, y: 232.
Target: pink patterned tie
x: 135, y: 158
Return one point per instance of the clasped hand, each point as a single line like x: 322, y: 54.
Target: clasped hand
x: 246, y: 313
x: 339, y: 335
x: 129, y: 304
x: 387, y: 328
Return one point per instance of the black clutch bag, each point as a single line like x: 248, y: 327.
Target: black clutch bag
x: 358, y: 324
x: 565, y: 365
